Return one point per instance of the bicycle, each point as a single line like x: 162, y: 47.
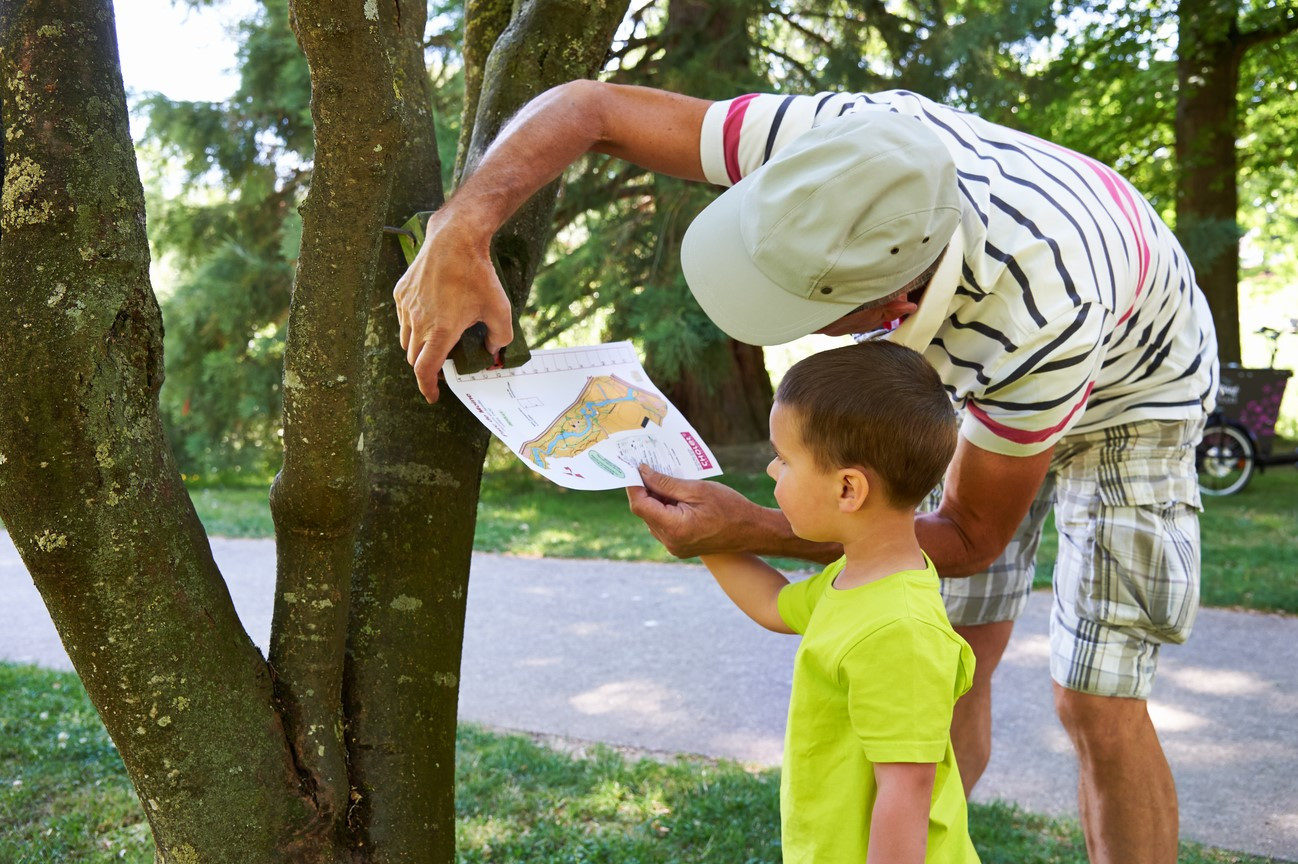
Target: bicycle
x: 1238, y: 438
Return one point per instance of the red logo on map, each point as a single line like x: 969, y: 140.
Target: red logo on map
x: 700, y: 455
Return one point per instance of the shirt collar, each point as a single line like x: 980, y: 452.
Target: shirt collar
x: 918, y: 330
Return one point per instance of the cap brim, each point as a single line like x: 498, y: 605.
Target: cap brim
x: 737, y: 296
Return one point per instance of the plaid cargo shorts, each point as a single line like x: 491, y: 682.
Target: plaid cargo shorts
x: 1126, y: 578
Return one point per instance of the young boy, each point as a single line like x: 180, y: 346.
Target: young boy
x: 861, y: 434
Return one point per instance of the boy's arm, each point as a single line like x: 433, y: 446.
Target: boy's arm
x: 899, y: 823
x: 753, y: 585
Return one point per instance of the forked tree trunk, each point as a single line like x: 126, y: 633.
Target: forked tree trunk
x: 342, y: 748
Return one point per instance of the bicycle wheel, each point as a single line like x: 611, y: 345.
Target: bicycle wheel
x: 1225, y: 459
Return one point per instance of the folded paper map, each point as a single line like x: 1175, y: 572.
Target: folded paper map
x: 585, y: 417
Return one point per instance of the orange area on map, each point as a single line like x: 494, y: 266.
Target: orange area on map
x: 607, y: 405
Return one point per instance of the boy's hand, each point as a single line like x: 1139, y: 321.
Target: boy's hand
x: 692, y: 517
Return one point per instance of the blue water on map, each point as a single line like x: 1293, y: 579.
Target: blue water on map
x: 590, y: 411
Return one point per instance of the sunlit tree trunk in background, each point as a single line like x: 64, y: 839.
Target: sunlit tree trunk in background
x: 1211, y: 46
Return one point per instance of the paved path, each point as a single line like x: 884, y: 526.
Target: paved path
x: 653, y: 656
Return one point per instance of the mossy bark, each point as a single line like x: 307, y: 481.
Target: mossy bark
x: 342, y: 748
x: 316, y: 499
x: 88, y: 488
x: 424, y: 472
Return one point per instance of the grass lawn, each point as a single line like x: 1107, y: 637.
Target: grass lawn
x: 64, y: 798
x: 1249, y: 541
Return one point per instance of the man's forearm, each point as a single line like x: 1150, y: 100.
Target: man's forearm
x: 546, y: 136
x: 769, y: 534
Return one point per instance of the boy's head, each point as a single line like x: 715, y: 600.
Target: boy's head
x: 877, y: 406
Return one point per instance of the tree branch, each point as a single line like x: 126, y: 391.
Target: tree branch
x: 1263, y: 35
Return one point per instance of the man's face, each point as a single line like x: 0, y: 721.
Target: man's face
x: 861, y: 321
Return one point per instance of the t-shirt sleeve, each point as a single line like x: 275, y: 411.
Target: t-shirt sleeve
x: 1038, y: 389
x: 740, y: 135
x: 902, y: 682
x: 797, y: 599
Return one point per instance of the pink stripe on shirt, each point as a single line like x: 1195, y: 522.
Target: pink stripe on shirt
x: 1121, y: 196
x: 1027, y: 436
x: 730, y: 130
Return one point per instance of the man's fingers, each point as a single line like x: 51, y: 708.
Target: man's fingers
x: 664, y: 487
x: 500, y: 328
x: 426, y: 367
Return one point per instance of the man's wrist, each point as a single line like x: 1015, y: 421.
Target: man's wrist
x: 771, y: 535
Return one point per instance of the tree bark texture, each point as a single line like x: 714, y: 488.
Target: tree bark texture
x: 412, y: 554
x: 422, y: 463
x: 342, y: 747
x: 1206, y: 125
x: 316, y: 498
x: 111, y: 540
x: 546, y: 43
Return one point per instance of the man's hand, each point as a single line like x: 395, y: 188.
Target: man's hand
x: 451, y: 286
x: 692, y: 517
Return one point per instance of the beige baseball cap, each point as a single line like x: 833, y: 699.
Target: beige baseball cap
x: 846, y: 214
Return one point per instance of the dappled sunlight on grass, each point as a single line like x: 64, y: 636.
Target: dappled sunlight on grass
x: 64, y: 797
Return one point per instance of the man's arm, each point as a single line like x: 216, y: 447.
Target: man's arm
x: 700, y: 517
x: 451, y: 284
x: 753, y: 585
x: 985, y: 497
x: 899, y: 821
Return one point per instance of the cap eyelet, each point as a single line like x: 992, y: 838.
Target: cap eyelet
x: 926, y: 239
x: 825, y: 289
x: 895, y: 250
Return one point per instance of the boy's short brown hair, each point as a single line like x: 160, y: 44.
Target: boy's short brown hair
x: 875, y: 405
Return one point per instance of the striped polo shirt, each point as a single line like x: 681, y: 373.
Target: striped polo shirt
x: 1076, y: 307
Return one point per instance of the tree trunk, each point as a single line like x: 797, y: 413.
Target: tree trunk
x: 726, y: 397
x: 342, y: 749
x: 112, y: 541
x: 737, y: 409
x: 425, y: 462
x: 1206, y: 124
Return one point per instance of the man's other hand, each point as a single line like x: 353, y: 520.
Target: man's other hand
x: 692, y: 517
x: 451, y: 286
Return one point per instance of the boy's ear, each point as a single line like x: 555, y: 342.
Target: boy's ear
x: 853, y: 488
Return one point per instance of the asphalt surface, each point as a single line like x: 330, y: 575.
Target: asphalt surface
x: 654, y: 657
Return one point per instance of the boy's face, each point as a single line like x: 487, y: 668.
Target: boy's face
x: 806, y: 493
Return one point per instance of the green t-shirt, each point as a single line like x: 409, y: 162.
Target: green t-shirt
x: 875, y: 680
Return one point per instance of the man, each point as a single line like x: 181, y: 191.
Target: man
x: 1060, y: 312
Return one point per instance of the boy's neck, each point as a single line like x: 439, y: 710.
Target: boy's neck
x: 882, y: 543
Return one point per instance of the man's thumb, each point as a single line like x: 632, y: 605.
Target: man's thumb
x: 656, y: 482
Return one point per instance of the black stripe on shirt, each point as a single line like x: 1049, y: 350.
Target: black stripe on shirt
x: 1030, y: 364
x: 775, y: 127
x: 1020, y: 277
x: 985, y: 330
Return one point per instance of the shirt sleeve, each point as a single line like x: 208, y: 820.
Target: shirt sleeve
x: 1038, y: 390
x: 797, y: 599
x: 740, y: 135
x: 902, y: 682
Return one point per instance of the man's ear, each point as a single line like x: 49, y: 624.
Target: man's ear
x: 897, y: 308
x: 853, y: 488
